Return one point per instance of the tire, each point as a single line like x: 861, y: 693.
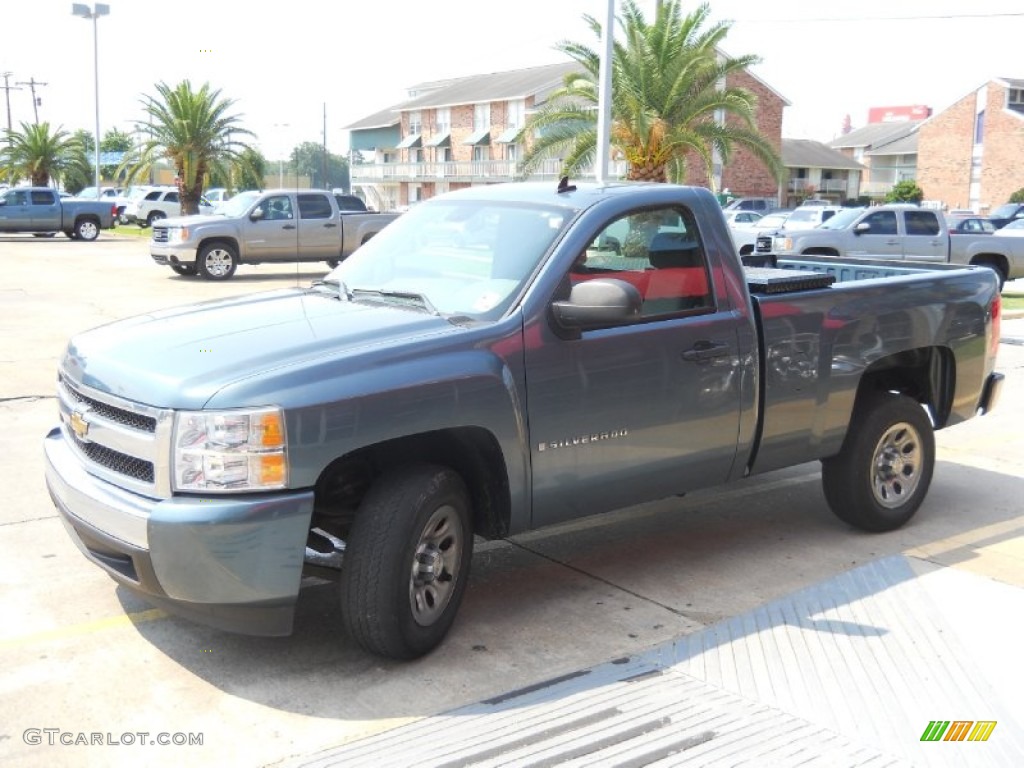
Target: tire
x: 407, y: 561
x: 883, y: 471
x: 332, y: 263
x: 186, y: 270
x: 87, y: 230
x: 217, y: 261
x: 123, y: 218
x: 155, y: 216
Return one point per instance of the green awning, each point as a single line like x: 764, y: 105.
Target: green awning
x: 410, y: 141
x: 483, y: 136
x: 509, y: 136
x: 439, y: 140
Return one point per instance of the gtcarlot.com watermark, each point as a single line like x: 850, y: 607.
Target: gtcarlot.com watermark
x: 56, y: 737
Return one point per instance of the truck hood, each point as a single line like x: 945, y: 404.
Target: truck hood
x: 181, y: 357
x: 190, y: 221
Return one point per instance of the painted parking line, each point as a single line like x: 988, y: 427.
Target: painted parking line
x: 87, y: 628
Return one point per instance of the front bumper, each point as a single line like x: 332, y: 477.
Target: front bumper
x: 165, y: 255
x: 231, y: 562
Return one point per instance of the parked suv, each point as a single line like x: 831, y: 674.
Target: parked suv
x: 159, y: 203
x: 810, y: 216
x: 759, y: 204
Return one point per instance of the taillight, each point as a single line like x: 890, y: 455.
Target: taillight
x: 997, y: 306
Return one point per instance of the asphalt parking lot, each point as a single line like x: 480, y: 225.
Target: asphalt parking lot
x: 82, y: 657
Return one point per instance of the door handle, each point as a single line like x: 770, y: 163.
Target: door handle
x: 892, y: 242
x: 705, y: 350
x: 330, y: 226
x: 288, y: 226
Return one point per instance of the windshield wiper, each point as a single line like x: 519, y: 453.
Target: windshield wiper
x: 343, y: 292
x: 406, y: 295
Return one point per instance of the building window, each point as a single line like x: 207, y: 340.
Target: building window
x: 443, y: 154
x: 415, y: 122
x: 416, y: 155
x: 481, y: 116
x: 389, y: 157
x: 443, y: 120
x: 512, y: 152
x: 979, y: 127
x: 515, y: 114
x: 1016, y: 98
x: 481, y: 152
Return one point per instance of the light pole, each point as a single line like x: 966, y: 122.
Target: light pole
x: 98, y: 9
x: 280, y: 160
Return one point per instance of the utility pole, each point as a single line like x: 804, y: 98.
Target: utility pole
x: 36, y: 101
x: 325, y: 147
x: 7, y: 91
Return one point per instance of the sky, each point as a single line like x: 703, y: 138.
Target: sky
x: 285, y: 63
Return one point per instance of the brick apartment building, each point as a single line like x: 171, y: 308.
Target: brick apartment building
x: 972, y: 154
x: 460, y: 132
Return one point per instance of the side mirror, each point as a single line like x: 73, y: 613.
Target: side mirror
x: 862, y: 228
x: 594, y: 303
x: 257, y: 213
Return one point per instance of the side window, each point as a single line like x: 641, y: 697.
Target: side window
x: 921, y: 223
x: 659, y: 252
x: 826, y: 215
x: 278, y: 208
x: 349, y: 203
x: 42, y: 197
x: 17, y: 197
x: 314, y: 207
x: 153, y: 195
x: 172, y: 197
x: 882, y: 222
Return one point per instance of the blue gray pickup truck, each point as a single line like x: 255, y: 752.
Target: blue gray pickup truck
x: 498, y: 359
x: 41, y: 211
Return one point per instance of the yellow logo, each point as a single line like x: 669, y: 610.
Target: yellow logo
x: 79, y: 425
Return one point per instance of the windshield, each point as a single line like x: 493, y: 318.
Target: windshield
x: 772, y: 220
x: 843, y: 219
x: 798, y: 216
x: 238, y: 204
x: 1005, y: 211
x: 464, y: 257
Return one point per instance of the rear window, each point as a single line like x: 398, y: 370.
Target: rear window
x: 42, y: 197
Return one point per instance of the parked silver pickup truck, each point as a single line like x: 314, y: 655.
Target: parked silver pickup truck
x: 897, y: 231
x: 41, y: 211
x: 256, y: 227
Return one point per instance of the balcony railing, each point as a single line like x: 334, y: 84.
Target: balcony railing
x: 822, y: 185
x: 469, y: 171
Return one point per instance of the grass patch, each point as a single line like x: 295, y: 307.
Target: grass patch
x: 132, y: 230
x: 1013, y: 302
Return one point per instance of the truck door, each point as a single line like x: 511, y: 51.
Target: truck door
x: 274, y: 235
x: 636, y: 410
x: 319, y: 228
x: 45, y: 210
x: 15, y: 213
x: 924, y: 241
x: 881, y: 240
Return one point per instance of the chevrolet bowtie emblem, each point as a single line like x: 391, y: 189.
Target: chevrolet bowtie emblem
x: 79, y: 426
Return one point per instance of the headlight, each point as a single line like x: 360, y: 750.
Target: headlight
x: 229, y: 451
x: 783, y: 243
x: 177, y: 234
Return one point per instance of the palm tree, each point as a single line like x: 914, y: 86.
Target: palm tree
x: 38, y: 152
x: 668, y: 101
x: 192, y: 129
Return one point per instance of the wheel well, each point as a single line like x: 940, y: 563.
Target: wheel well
x: 210, y: 240
x: 996, y: 261
x: 86, y: 217
x: 820, y: 252
x: 928, y: 375
x: 473, y: 452
x: 746, y: 250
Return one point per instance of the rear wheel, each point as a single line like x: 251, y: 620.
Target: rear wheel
x: 883, y: 471
x: 155, y: 216
x: 217, y: 261
x: 407, y: 561
x: 87, y: 229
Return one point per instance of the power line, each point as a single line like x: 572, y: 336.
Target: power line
x: 937, y: 17
x: 36, y: 101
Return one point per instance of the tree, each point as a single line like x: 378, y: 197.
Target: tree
x: 38, y: 152
x: 905, y: 191
x: 667, y: 99
x: 248, y: 173
x: 194, y: 130
x: 307, y: 159
x: 1018, y: 196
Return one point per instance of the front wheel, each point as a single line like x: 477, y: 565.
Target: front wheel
x: 407, y: 561
x: 883, y: 471
x: 217, y: 261
x: 87, y: 229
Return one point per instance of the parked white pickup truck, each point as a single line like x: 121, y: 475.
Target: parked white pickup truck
x: 284, y: 225
x: 896, y: 232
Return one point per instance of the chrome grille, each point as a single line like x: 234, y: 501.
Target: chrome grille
x: 115, y: 461
x: 117, y: 415
x: 159, y: 234
x: 764, y: 243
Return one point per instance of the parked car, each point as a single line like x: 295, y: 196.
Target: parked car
x: 217, y: 195
x: 759, y: 204
x: 810, y: 216
x: 43, y: 212
x: 159, y: 203
x: 737, y: 217
x: 745, y: 238
x: 1014, y: 229
x: 1004, y: 214
x: 973, y: 225
x: 369, y: 427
